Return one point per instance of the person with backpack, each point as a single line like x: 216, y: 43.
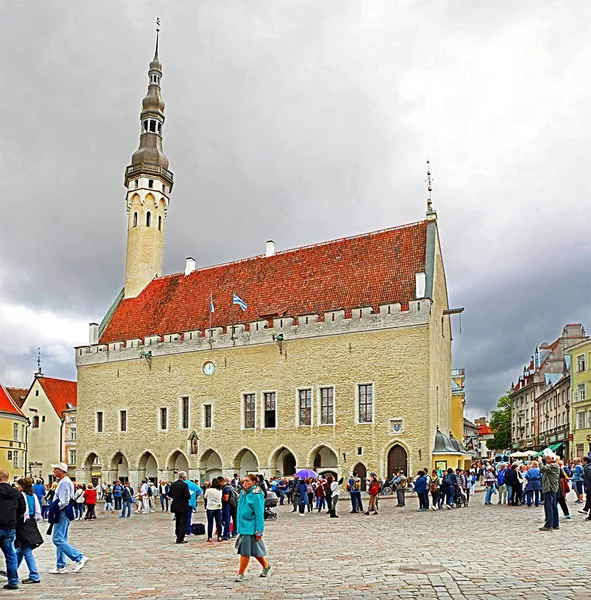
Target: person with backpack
x: 501, y: 484
x: 229, y: 497
x: 374, y: 490
x: 400, y: 482
x: 434, y: 489
x: 450, y: 482
x: 195, y: 492
x: 117, y: 494
x: 60, y: 515
x: 27, y: 533
x: 126, y: 501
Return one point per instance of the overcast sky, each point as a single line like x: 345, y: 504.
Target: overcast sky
x: 300, y: 121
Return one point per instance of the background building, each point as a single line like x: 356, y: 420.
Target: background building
x: 580, y: 377
x: 544, y: 370
x: 45, y: 404
x: 13, y: 436
x: 335, y: 356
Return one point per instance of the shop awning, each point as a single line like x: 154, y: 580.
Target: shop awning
x: 552, y: 447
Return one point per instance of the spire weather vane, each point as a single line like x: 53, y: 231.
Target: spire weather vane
x: 39, y: 361
x: 429, y: 188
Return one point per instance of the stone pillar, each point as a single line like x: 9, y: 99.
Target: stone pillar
x: 108, y: 477
x: 134, y: 479
x: 193, y: 474
x: 166, y: 475
x: 80, y: 475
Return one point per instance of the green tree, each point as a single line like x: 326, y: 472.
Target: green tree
x: 500, y: 424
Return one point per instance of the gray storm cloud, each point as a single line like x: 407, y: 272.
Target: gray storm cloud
x: 303, y: 122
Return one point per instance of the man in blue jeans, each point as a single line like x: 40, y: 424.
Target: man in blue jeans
x: 550, y: 482
x: 12, y: 504
x: 126, y: 498
x: 59, y: 537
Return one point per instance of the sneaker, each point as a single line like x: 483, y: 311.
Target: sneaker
x: 80, y: 564
x: 56, y: 571
x: 29, y: 580
x: 544, y: 529
x: 3, y: 574
x: 239, y: 578
x: 266, y: 571
x: 10, y: 587
x: 448, y: 507
x: 433, y: 508
x: 567, y: 517
x: 555, y: 527
x: 583, y: 511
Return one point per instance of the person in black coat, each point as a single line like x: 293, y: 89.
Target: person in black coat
x: 12, y: 507
x: 180, y: 494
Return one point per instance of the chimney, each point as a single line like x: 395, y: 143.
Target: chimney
x: 93, y: 334
x: 270, y: 251
x: 189, y: 265
x: 421, y: 282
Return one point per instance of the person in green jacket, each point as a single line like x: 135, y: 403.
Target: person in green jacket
x: 550, y: 482
x: 250, y: 522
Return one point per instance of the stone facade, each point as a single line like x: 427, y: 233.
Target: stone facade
x: 343, y: 360
x: 393, y: 352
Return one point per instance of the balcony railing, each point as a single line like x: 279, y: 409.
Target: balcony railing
x: 148, y: 168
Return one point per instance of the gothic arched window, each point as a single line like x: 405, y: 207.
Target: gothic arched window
x: 35, y: 422
x: 148, y: 219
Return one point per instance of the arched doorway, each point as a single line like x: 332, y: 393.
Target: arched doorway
x: 147, y: 468
x: 93, y: 466
x: 246, y: 462
x: 361, y: 471
x: 120, y: 467
x: 282, y: 463
x: 178, y: 462
x: 397, y: 461
x: 325, y: 461
x: 210, y: 465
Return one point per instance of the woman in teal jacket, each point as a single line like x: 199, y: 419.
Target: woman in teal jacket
x: 250, y: 522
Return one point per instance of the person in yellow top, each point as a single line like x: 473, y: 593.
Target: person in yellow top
x: 250, y: 522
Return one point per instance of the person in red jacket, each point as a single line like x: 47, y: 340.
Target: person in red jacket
x: 90, y: 500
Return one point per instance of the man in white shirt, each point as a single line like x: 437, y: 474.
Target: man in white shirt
x: 63, y: 494
x: 145, y: 496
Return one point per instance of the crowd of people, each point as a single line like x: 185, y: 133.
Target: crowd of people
x: 236, y: 508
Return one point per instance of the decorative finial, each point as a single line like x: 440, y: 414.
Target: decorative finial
x: 429, y: 189
x: 39, y: 371
x: 157, y: 36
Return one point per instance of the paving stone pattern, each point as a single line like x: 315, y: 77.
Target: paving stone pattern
x: 487, y: 552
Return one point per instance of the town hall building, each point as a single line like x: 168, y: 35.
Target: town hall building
x: 334, y: 356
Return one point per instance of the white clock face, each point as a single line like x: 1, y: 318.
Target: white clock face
x: 208, y: 368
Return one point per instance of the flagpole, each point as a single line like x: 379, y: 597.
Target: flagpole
x: 232, y: 316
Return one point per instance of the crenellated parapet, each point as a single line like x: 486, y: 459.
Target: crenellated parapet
x: 264, y: 331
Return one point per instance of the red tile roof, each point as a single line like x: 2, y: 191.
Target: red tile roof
x: 18, y: 395
x: 366, y: 270
x: 7, y: 404
x: 60, y: 393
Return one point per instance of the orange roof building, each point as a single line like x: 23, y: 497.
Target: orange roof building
x: 333, y: 356
x: 44, y: 406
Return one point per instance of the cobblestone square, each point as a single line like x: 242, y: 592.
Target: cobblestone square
x: 483, y: 552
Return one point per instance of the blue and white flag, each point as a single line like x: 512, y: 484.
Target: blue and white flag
x: 211, y: 308
x: 240, y: 302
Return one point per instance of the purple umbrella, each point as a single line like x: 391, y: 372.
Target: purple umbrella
x: 305, y: 473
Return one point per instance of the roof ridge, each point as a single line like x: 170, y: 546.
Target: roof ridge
x: 11, y: 401
x: 297, y: 248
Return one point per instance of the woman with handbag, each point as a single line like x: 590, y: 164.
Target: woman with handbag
x: 79, y: 500
x: 251, y: 524
x: 563, y: 490
x: 27, y: 533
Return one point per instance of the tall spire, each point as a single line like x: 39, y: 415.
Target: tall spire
x: 149, y: 158
x: 430, y: 212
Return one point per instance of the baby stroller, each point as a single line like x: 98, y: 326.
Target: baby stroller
x: 270, y: 502
x: 460, y: 498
